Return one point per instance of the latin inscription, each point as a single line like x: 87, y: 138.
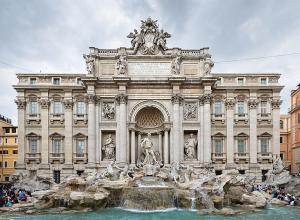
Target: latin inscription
x: 146, y: 68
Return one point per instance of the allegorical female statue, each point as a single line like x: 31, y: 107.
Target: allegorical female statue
x: 109, y: 148
x: 190, y: 148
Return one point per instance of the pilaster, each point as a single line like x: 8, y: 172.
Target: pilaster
x: 21, y: 105
x: 252, y: 105
x: 68, y: 146
x: 176, y: 101
x: 91, y: 98
x: 44, y: 105
x: 229, y: 104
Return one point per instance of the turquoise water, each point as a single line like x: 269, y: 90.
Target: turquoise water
x: 273, y: 213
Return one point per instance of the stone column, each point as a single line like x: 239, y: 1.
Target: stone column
x: 98, y: 140
x: 252, y: 104
x: 138, y: 143
x: 207, y: 128
x: 175, y: 156
x: 200, y: 151
x: 160, y: 144
x: 229, y: 104
x: 91, y: 130
x: 166, y: 146
x: 44, y: 149
x: 276, y: 102
x: 132, y: 146
x: 68, y: 148
x: 121, y: 153
x: 21, y: 105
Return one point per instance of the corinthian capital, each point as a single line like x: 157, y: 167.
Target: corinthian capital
x: 91, y: 98
x: 229, y: 103
x: 252, y: 103
x: 276, y: 103
x: 68, y: 103
x: 205, y: 99
x: 177, y: 99
x: 21, y: 103
x: 44, y: 103
x: 121, y: 99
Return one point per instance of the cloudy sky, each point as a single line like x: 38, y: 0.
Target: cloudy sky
x: 52, y: 35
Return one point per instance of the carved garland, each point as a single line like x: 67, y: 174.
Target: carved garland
x: 205, y: 99
x: 252, y: 104
x: 276, y: 103
x: 229, y: 103
x: 177, y: 99
x: 68, y: 103
x: 44, y: 103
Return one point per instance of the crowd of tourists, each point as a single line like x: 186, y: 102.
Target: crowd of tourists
x: 10, y: 195
x: 278, y: 193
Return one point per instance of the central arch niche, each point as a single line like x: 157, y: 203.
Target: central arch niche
x: 149, y: 119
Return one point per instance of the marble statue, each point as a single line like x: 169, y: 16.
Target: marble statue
x: 137, y: 39
x: 175, y: 65
x: 277, y: 166
x: 208, y: 65
x: 190, y: 148
x: 147, y: 147
x: 108, y: 111
x: 124, y: 172
x: 160, y: 39
x: 89, y: 63
x: 109, y: 171
x: 121, y: 65
x: 109, y: 148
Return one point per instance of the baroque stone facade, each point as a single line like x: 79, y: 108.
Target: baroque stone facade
x: 71, y: 123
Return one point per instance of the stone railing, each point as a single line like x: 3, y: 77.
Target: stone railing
x: 60, y: 157
x: 80, y: 118
x: 80, y: 157
x: 56, y: 117
x: 33, y: 157
x: 241, y: 157
x: 33, y: 117
x: 218, y: 117
x: 218, y: 157
x: 263, y: 156
x: 264, y: 117
x: 241, y: 117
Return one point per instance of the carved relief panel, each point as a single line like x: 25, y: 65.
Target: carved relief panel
x: 108, y: 111
x: 190, y: 111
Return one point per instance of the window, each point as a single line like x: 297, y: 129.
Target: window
x: 281, y: 139
x: 80, y: 108
x: 32, y: 146
x: 298, y: 117
x: 281, y: 156
x: 78, y: 81
x: 3, y: 151
x: 7, y: 130
x: 15, y: 163
x: 56, y: 81
x: 16, y: 140
x: 15, y: 151
x: 57, y: 107
x: 240, y: 81
x: 32, y: 81
x: 281, y: 124
x: 240, y: 107
x: 1, y: 140
x: 218, y: 146
x: 80, y: 147
x: 6, y: 140
x: 56, y: 176
x: 5, y: 164
x: 263, y: 107
x: 33, y: 107
x: 7, y: 178
x: 218, y: 108
x: 1, y: 164
x: 264, y: 145
x: 263, y: 81
x: 13, y: 130
x: 56, y: 146
x: 241, y: 145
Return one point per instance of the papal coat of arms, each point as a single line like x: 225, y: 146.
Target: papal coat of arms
x: 149, y: 41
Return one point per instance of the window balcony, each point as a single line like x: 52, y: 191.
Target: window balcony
x: 33, y: 117
x: 80, y: 157
x: 80, y: 118
x: 57, y: 117
x: 59, y: 157
x: 241, y: 157
x: 33, y: 158
x: 264, y: 117
x: 241, y: 117
x: 218, y: 117
x: 218, y: 157
x: 265, y: 156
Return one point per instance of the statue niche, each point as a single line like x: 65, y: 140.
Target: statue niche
x: 190, y: 147
x: 109, y: 148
